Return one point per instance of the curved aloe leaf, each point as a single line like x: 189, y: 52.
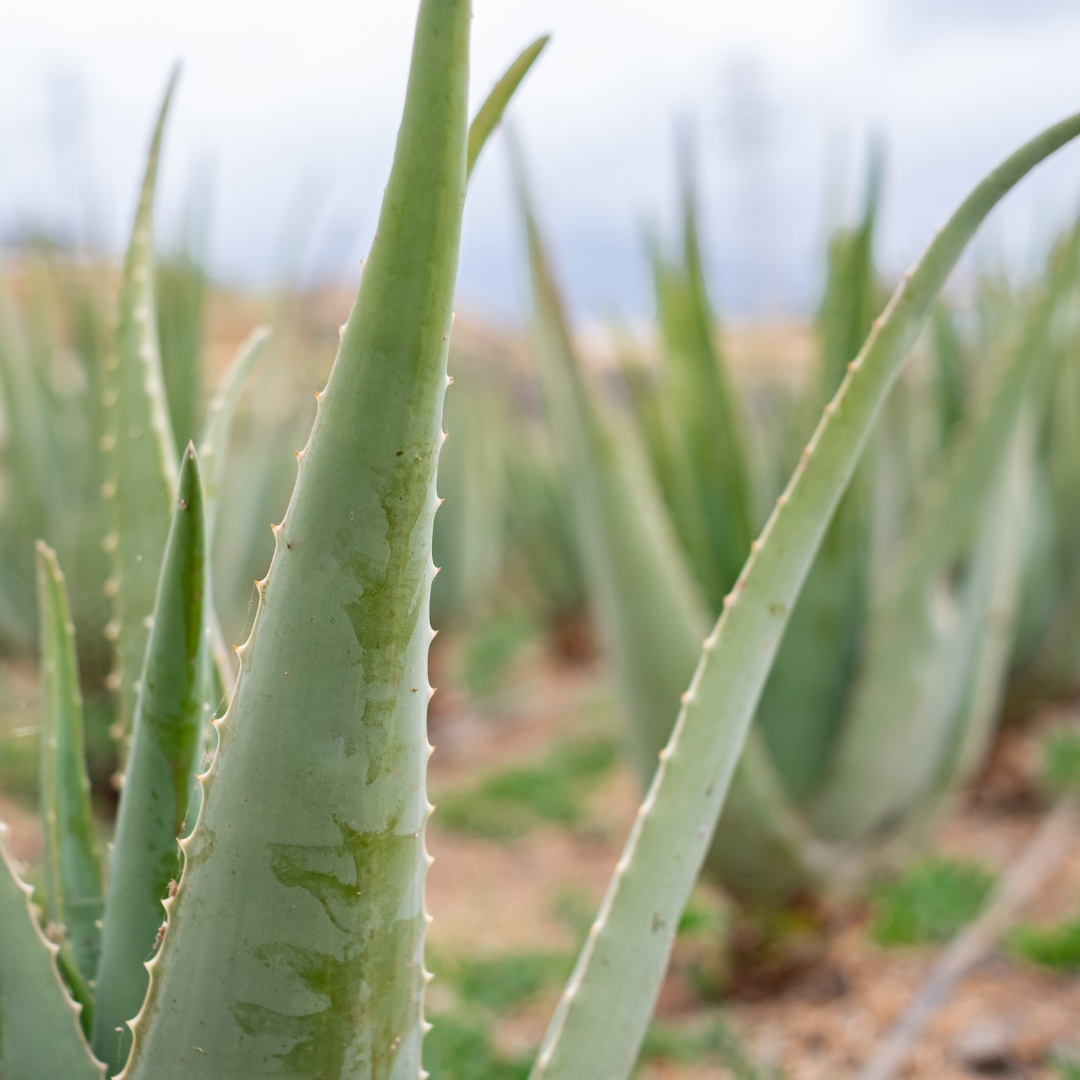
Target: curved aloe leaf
x: 213, y: 451
x: 214, y: 442
x: 294, y: 943
x: 807, y: 690
x: 74, y: 887
x: 651, y: 614
x: 491, y: 112
x: 900, y: 722
x: 39, y: 1024
x: 170, y: 720
x: 139, y: 444
x: 599, y: 1023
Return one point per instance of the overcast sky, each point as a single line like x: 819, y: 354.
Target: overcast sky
x: 287, y: 113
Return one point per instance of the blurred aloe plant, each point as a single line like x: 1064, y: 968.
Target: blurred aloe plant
x: 293, y: 933
x: 890, y: 670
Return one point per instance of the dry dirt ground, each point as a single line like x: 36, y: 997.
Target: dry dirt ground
x: 815, y: 1016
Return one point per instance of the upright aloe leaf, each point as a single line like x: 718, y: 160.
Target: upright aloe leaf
x: 491, y: 112
x: 214, y: 443
x: 948, y: 376
x: 295, y: 941
x: 181, y: 293
x: 39, y: 1025
x: 704, y: 401
x: 74, y: 888
x: 139, y: 442
x: 170, y: 722
x: 599, y: 1023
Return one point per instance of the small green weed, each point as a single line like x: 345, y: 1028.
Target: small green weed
x: 575, y: 909
x: 1055, y: 947
x: 502, y: 983
x: 1061, y: 760
x: 19, y: 762
x: 459, y: 1047
x: 490, y: 649
x: 930, y: 902
x: 1065, y: 1068
x: 508, y: 804
x: 711, y: 1039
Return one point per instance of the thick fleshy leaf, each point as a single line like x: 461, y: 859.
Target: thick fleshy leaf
x: 171, y: 718
x: 40, y: 1035
x: 139, y: 443
x: 295, y: 940
x: 74, y: 886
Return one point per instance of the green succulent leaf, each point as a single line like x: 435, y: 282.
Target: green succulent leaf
x: 170, y: 722
x: 74, y: 887
x: 490, y: 113
x: 295, y: 941
x: 602, y: 1017
x: 139, y: 442
x: 39, y: 1024
x: 214, y: 443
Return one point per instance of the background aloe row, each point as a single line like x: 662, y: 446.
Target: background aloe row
x: 603, y: 1013
x: 651, y: 616
x: 903, y: 713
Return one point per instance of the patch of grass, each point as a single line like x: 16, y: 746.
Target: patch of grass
x: 696, y: 1043
x: 1065, y: 1068
x: 508, y: 804
x: 930, y: 902
x: 575, y: 909
x: 491, y: 648
x: 460, y: 1047
x: 505, y: 982
x: 19, y: 763
x: 1055, y: 947
x: 1061, y: 760
x: 704, y: 915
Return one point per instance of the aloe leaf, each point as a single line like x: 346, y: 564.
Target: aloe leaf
x: 989, y: 620
x: 601, y: 1019
x: 705, y: 404
x: 948, y: 377
x: 74, y: 887
x: 39, y: 1024
x: 899, y: 724
x: 491, y: 111
x: 139, y: 442
x: 295, y: 940
x: 651, y: 614
x: 214, y: 442
x: 181, y: 289
x: 807, y: 690
x: 170, y: 719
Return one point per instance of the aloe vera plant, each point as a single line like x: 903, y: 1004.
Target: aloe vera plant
x: 864, y: 659
x: 293, y: 937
